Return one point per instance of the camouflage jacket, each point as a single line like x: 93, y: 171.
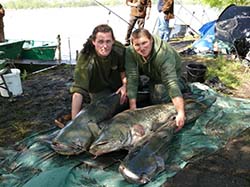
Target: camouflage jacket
x: 141, y: 10
x: 163, y: 67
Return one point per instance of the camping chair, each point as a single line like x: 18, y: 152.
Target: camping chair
x: 3, y: 70
x: 3, y: 84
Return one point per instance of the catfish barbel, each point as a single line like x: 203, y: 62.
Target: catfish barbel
x: 79, y: 133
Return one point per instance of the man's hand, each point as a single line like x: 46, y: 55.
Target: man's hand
x: 180, y: 121
x: 180, y: 118
x: 123, y: 91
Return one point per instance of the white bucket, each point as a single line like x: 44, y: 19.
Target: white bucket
x: 13, y: 82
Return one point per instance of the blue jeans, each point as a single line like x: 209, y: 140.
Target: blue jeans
x: 163, y: 27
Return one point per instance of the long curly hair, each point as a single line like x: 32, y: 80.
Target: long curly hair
x: 88, y: 47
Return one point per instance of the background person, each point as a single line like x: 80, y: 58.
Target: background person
x: 155, y: 58
x: 139, y: 11
x: 100, y: 68
x: 166, y: 12
x: 2, y: 14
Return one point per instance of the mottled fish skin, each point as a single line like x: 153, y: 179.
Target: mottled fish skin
x: 148, y: 159
x: 123, y: 131
x: 79, y: 133
x: 129, y: 127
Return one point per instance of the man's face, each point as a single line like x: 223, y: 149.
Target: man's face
x: 103, y: 43
x: 143, y: 46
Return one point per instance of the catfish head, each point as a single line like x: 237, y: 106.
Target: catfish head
x: 77, y: 136
x: 73, y: 141
x: 119, y: 137
x: 147, y: 160
x: 110, y: 139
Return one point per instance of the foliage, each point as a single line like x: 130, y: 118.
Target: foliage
x: 21, y: 4
x: 24, y: 75
x: 224, y: 3
x: 226, y: 70
x: 25, y: 4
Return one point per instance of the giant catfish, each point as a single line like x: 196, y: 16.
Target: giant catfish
x: 148, y: 159
x: 131, y: 128
x: 79, y: 133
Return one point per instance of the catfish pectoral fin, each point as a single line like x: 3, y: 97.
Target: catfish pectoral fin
x: 94, y: 129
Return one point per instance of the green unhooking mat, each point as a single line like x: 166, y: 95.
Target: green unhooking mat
x: 36, y: 164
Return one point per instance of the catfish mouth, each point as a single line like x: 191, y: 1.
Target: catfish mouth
x: 65, y: 149
x: 101, y: 148
x: 132, y: 177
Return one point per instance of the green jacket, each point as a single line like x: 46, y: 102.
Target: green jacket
x: 163, y: 67
x: 95, y: 74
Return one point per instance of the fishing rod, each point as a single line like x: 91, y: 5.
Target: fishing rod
x: 111, y: 11
x: 187, y: 25
x: 192, y: 13
x: 156, y: 22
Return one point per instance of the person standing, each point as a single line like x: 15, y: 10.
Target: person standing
x: 2, y: 14
x: 100, y: 69
x: 151, y: 56
x: 166, y: 12
x: 139, y: 11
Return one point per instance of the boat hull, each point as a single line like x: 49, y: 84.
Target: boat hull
x: 11, y: 49
x: 38, y: 50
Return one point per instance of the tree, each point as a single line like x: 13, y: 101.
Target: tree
x: 224, y: 3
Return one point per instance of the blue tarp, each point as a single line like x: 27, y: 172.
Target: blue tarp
x: 207, y: 28
x: 207, y: 37
x: 208, y: 43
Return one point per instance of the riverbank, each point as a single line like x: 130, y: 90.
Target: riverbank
x: 46, y: 97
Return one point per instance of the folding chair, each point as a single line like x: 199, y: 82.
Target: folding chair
x: 3, y: 84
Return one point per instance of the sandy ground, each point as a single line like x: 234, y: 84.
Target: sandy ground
x: 46, y: 97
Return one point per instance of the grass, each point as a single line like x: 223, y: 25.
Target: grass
x: 230, y: 72
x: 226, y: 70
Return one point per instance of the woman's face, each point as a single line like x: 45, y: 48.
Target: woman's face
x: 143, y: 46
x: 103, y: 43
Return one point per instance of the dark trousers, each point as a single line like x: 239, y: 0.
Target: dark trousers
x: 132, y: 21
x: 159, y: 93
